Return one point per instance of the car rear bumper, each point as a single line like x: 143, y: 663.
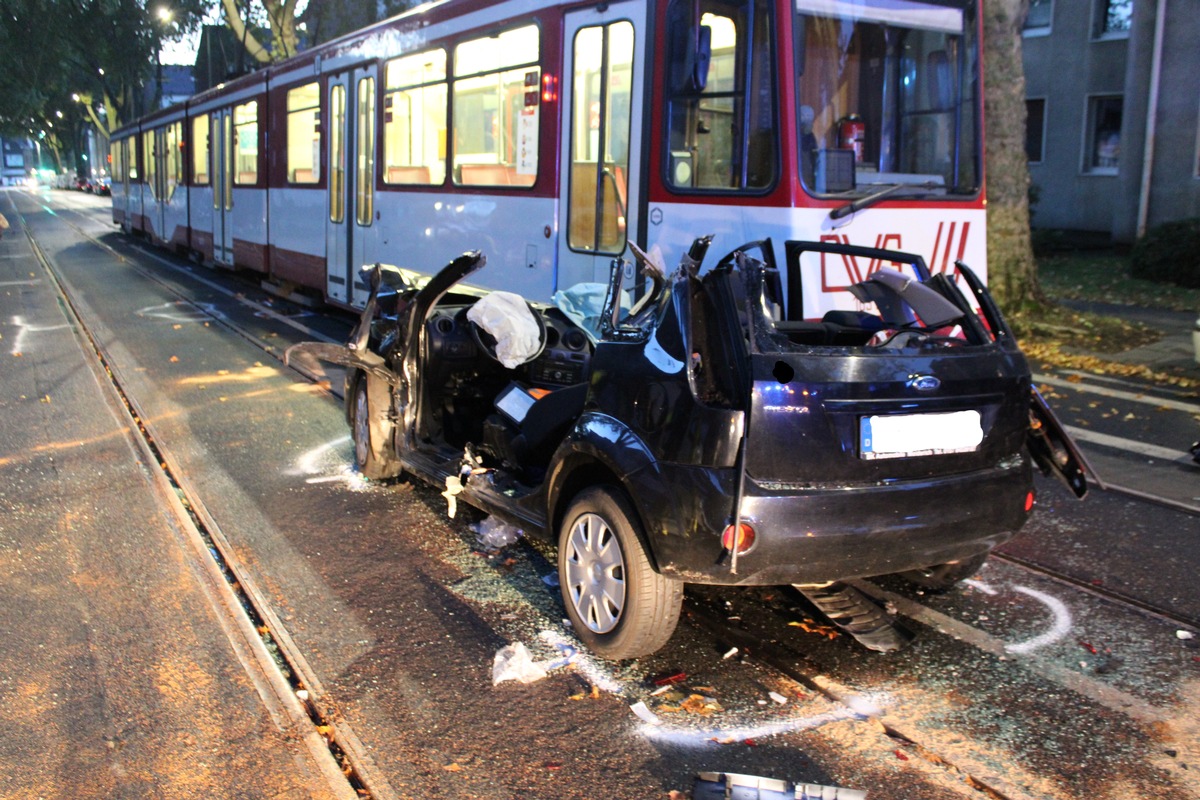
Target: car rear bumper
x: 814, y: 535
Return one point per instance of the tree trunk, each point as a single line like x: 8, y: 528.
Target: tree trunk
x: 1012, y: 273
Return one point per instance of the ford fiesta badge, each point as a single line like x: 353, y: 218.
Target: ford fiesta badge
x: 924, y: 383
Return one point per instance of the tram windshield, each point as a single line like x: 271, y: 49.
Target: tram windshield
x: 888, y: 97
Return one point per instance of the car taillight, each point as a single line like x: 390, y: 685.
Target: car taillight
x: 739, y: 536
x: 1028, y: 502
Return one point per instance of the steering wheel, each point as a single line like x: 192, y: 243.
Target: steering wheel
x: 487, y: 343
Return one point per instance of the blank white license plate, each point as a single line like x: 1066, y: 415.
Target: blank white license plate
x: 900, y: 435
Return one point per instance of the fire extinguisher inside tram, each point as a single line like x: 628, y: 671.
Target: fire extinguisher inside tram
x: 852, y: 133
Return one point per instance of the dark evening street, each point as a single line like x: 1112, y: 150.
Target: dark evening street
x: 205, y: 600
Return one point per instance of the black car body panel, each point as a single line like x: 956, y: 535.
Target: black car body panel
x: 893, y: 437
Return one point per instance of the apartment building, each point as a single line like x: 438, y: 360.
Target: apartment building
x: 1113, y: 97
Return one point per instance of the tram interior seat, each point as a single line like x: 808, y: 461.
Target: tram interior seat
x: 303, y: 176
x: 409, y: 174
x: 486, y: 175
x: 247, y: 178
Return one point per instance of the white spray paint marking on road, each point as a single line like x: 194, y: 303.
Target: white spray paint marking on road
x: 30, y: 282
x: 1062, y: 617
x: 1111, y: 697
x: 981, y: 586
x: 689, y: 737
x: 271, y: 313
x: 181, y: 311
x: 323, y: 464
x: 23, y: 329
x: 1061, y: 627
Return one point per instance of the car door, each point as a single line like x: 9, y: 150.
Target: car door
x: 1053, y: 450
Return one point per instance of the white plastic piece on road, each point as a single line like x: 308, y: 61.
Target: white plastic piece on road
x: 513, y: 663
x: 1185, y: 635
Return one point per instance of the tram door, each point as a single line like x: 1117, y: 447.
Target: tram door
x: 159, y: 186
x: 602, y: 89
x: 222, y: 185
x: 128, y: 165
x: 351, y: 181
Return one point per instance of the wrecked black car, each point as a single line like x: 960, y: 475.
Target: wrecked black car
x: 696, y: 428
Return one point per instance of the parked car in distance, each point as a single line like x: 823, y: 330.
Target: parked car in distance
x: 696, y: 428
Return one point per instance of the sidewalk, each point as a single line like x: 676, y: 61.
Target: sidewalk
x: 1174, y: 354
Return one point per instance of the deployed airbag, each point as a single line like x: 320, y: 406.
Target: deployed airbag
x: 510, y: 321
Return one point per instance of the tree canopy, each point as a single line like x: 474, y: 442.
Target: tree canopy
x: 67, y: 62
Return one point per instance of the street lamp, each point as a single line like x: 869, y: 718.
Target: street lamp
x: 164, y: 16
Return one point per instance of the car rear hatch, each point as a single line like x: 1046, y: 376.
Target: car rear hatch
x: 909, y: 385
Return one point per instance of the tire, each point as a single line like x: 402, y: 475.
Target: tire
x: 371, y: 454
x: 619, y: 606
x: 944, y: 577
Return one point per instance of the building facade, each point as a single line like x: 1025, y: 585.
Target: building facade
x: 1113, y: 98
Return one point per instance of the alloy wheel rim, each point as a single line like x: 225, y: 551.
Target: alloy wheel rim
x: 595, y: 573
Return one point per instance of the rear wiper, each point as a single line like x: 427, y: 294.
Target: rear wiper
x: 872, y: 199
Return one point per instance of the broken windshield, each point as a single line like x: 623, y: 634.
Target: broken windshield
x: 888, y: 97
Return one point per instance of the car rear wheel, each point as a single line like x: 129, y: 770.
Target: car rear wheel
x: 620, y: 607
x: 944, y: 577
x: 371, y: 455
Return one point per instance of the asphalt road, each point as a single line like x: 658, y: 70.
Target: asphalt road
x: 1046, y: 677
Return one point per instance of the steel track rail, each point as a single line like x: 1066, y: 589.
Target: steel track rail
x: 294, y: 696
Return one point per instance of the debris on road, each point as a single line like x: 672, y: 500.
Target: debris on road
x: 493, y: 534
x: 720, y: 785
x: 1184, y: 635
x: 513, y: 663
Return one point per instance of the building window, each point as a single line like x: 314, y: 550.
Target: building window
x: 1041, y: 12
x: 1113, y: 18
x: 497, y: 91
x: 245, y: 134
x: 200, y: 146
x: 1035, y: 130
x: 1103, y: 135
x: 414, y: 119
x: 304, y: 134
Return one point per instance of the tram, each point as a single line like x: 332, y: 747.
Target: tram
x: 552, y: 134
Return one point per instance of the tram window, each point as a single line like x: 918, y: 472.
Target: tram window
x: 199, y: 146
x: 414, y: 119
x: 149, y: 159
x: 304, y: 134
x: 245, y: 134
x: 173, y: 162
x: 722, y: 131
x: 599, y: 129
x: 496, y: 106
x: 364, y: 179
x: 337, y: 153
x: 131, y: 159
x: 887, y: 96
x: 116, y: 164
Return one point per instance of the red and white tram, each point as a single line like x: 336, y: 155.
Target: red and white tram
x: 550, y: 134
